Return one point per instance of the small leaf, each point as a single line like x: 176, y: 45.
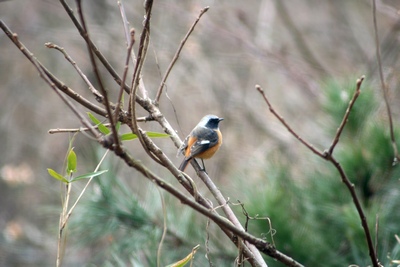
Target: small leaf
x: 131, y: 136
x: 128, y: 136
x: 187, y: 259
x: 155, y: 134
x: 71, y: 161
x: 88, y: 175
x: 118, y: 125
x: 102, y: 127
x: 57, y: 176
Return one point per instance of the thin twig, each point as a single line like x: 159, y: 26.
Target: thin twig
x: 222, y: 222
x: 376, y: 233
x: 125, y: 23
x: 346, y: 115
x: 227, y: 210
x: 282, y: 120
x: 98, y: 77
x: 96, y: 93
x: 51, y: 78
x: 74, y: 130
x: 176, y: 56
x: 48, y: 79
x: 98, y: 54
x: 126, y: 67
x: 207, y: 243
x: 165, y: 228
x: 143, y: 47
x: 359, y: 208
x: 384, y: 86
x: 84, y: 189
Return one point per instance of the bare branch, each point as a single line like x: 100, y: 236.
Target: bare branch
x: 99, y: 55
x: 364, y: 223
x: 96, y: 93
x: 282, y: 120
x: 74, y: 130
x: 43, y: 74
x: 125, y: 23
x: 327, y: 155
x: 384, y: 85
x: 346, y: 115
x: 222, y: 222
x: 143, y: 46
x: 98, y: 77
x: 126, y: 67
x: 176, y: 56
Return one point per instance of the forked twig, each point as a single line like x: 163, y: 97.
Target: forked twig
x: 282, y: 120
x: 98, y: 54
x: 327, y: 155
x: 44, y: 74
x: 96, y: 93
x: 177, y: 53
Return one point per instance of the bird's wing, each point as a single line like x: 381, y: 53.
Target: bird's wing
x: 205, y: 138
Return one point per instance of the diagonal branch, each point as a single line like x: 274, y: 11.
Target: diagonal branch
x: 39, y: 67
x: 96, y: 93
x: 346, y: 115
x: 384, y: 85
x: 143, y: 46
x: 99, y: 55
x: 176, y: 56
x: 126, y: 67
x: 282, y: 120
x: 56, y: 82
x: 222, y: 222
x: 98, y: 77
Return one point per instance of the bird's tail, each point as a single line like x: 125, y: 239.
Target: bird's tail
x: 184, y: 164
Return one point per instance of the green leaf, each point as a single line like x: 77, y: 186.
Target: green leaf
x: 57, y: 176
x: 185, y: 260
x: 102, y: 127
x: 118, y: 125
x: 88, y: 175
x: 131, y: 136
x: 128, y: 136
x: 71, y: 162
x: 155, y: 134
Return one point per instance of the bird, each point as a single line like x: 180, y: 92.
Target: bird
x: 203, y: 141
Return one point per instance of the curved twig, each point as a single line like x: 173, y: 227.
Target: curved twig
x: 176, y: 56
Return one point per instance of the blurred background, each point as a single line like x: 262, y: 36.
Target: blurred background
x: 307, y: 55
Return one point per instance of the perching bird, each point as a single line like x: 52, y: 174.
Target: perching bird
x: 202, y: 142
